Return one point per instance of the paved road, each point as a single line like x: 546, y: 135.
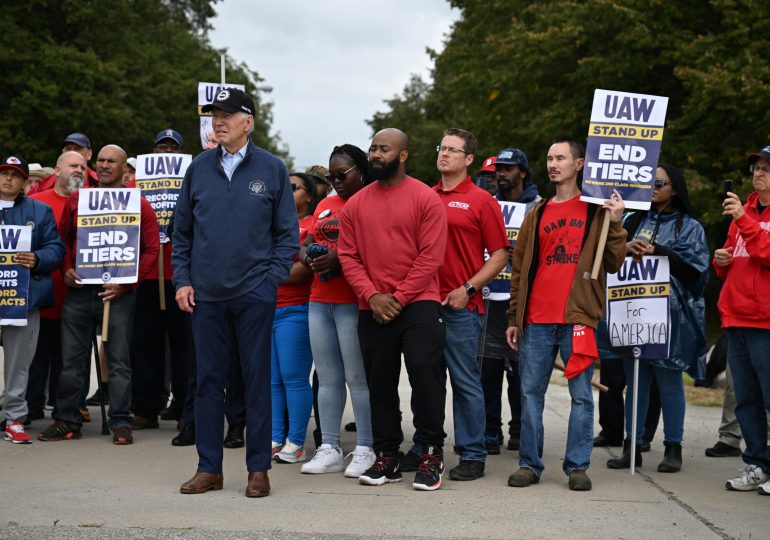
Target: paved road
x: 92, y: 489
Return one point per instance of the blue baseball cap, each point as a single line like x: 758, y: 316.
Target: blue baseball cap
x: 512, y: 156
x: 169, y: 134
x: 79, y: 139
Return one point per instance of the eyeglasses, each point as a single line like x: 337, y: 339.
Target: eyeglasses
x: 167, y: 146
x: 332, y: 177
x: 449, y: 150
x: 756, y: 167
x: 659, y: 184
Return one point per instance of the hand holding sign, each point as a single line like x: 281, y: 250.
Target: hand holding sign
x: 27, y: 259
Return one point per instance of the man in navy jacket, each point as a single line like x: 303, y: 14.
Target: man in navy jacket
x: 235, y: 238
x: 45, y: 255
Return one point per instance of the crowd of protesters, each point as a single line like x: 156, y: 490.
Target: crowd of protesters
x: 337, y: 275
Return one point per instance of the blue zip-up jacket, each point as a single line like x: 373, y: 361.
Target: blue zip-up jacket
x: 231, y: 236
x: 46, y: 245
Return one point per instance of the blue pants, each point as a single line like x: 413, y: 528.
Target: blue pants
x: 537, y: 352
x: 747, y: 353
x: 290, y: 371
x: 250, y: 318
x: 672, y: 401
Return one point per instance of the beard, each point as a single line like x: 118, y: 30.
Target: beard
x: 385, y: 170
x: 75, y: 182
x: 504, y: 187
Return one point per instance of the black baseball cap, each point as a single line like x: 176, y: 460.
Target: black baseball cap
x: 762, y: 154
x: 512, y: 156
x: 231, y: 100
x: 79, y: 139
x: 17, y: 163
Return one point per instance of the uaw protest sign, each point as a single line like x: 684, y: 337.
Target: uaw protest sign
x: 207, y: 91
x: 108, y: 229
x: 638, y: 315
x: 159, y: 176
x: 513, y: 216
x: 623, y: 146
x: 14, y: 278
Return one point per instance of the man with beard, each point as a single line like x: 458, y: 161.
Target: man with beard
x: 513, y: 180
x: 392, y: 241
x: 82, y: 312
x: 75, y: 142
x: 70, y: 175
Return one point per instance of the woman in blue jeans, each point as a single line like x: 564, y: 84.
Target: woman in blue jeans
x: 333, y: 314
x: 291, y: 359
x: 669, y: 229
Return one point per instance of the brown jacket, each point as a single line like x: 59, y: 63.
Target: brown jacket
x: 585, y: 304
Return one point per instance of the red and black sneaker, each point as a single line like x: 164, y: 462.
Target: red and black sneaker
x: 428, y: 477
x: 384, y: 470
x: 60, y: 431
x: 122, y: 435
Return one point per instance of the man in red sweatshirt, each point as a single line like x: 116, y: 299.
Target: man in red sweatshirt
x: 392, y: 240
x: 744, y: 265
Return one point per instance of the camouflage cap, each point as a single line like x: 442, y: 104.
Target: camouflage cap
x: 318, y: 172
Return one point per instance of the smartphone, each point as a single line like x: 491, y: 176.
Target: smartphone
x: 728, y: 187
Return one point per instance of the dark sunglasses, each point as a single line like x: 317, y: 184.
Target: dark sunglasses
x: 660, y: 183
x: 166, y: 146
x: 341, y: 177
x: 295, y: 187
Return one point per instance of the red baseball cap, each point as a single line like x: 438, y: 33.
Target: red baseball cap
x: 489, y: 164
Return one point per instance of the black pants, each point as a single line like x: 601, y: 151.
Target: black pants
x: 46, y: 366
x: 611, y: 408
x: 418, y: 332
x: 492, y: 370
x: 151, y: 326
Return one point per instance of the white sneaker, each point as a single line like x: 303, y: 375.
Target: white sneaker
x: 363, y: 458
x: 276, y: 449
x: 325, y: 460
x: 750, y: 479
x: 291, y: 453
x: 764, y: 489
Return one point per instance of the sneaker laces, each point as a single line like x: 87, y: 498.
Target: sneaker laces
x: 751, y: 474
x: 360, y: 457
x: 429, y: 463
x: 382, y: 463
x: 323, y: 452
x: 16, y: 427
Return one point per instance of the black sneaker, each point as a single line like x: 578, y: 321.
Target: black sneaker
x: 409, y: 462
x: 60, y: 431
x: 721, y: 449
x: 467, y: 470
x: 493, y: 448
x: 428, y: 477
x: 122, y: 435
x: 513, y: 444
x: 385, y: 470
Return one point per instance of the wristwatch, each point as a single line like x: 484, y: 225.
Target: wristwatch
x: 470, y: 289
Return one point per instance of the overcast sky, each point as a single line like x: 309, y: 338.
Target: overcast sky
x: 331, y: 63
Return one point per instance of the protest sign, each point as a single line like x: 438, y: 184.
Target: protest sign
x: 638, y: 318
x: 513, y: 216
x: 207, y: 91
x: 159, y: 176
x: 108, y: 229
x: 623, y: 147
x: 14, y: 278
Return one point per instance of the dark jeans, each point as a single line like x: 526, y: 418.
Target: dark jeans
x: 151, y: 326
x: 419, y: 333
x: 611, y: 407
x: 81, y: 313
x: 492, y: 371
x: 46, y: 366
x: 250, y: 318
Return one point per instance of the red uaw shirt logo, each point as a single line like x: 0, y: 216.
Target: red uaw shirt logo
x: 328, y: 230
x: 13, y: 161
x: 460, y: 205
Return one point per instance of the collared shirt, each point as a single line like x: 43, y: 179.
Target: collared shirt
x: 230, y: 161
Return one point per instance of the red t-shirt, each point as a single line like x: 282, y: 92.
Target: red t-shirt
x: 325, y: 230
x: 474, y: 223
x: 560, y: 240
x: 296, y: 294
x: 57, y: 203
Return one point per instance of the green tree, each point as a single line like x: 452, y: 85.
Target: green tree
x: 119, y: 71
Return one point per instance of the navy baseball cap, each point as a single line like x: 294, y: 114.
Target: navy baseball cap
x: 79, y: 139
x: 762, y: 154
x: 17, y: 163
x: 512, y: 156
x: 231, y: 100
x: 169, y: 134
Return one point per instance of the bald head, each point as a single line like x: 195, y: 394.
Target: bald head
x: 70, y: 173
x: 397, y: 138
x: 388, y: 154
x: 111, y: 166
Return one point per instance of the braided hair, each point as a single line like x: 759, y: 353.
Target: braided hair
x: 357, y: 156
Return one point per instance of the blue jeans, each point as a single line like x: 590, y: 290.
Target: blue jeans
x: 537, y: 352
x: 460, y: 354
x: 338, y: 360
x: 747, y: 353
x: 672, y: 402
x: 290, y: 374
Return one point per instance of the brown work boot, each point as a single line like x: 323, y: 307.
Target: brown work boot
x: 259, y: 485
x: 579, y: 481
x: 524, y: 477
x: 201, y: 483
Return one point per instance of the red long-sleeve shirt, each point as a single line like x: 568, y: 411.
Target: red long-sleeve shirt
x: 392, y: 241
x: 149, y: 243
